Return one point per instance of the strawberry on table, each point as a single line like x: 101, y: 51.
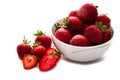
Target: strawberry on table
x: 54, y: 52
x: 23, y: 48
x: 29, y: 61
x: 49, y: 60
x: 38, y: 50
x: 45, y: 40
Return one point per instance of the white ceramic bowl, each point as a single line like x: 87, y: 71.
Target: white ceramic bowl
x: 81, y: 54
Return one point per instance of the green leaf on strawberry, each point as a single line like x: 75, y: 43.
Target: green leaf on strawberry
x: 101, y: 26
x: 25, y: 41
x: 66, y: 21
x: 39, y: 33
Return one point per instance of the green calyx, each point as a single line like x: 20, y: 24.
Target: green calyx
x: 57, y: 52
x: 64, y: 24
x: 101, y: 26
x: 39, y: 33
x: 25, y: 41
x: 36, y: 44
x: 66, y: 21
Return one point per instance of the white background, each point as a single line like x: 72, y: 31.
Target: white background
x: 25, y: 17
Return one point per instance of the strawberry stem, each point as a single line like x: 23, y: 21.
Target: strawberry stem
x: 39, y: 33
x: 25, y: 41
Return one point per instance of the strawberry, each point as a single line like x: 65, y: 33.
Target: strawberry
x: 45, y: 40
x: 87, y: 13
x: 79, y: 40
x: 23, y: 48
x: 73, y: 13
x: 38, y: 50
x: 63, y: 35
x: 29, y: 61
x: 94, y: 34
x: 52, y: 51
x: 49, y: 60
x: 104, y: 19
x: 75, y: 24
x: 106, y: 35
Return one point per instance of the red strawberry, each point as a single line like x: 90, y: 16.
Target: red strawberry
x: 87, y: 13
x: 73, y: 13
x: 79, y: 40
x: 23, y: 48
x: 45, y: 40
x: 104, y: 19
x: 54, y: 52
x: 75, y: 24
x: 63, y: 35
x: 49, y: 60
x: 94, y: 34
x: 39, y: 51
x: 106, y: 35
x: 29, y: 61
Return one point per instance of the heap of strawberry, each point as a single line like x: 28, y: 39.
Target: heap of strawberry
x: 84, y: 27
x: 40, y: 52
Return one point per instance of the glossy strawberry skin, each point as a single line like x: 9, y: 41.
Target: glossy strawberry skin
x: 63, y: 35
x: 87, y: 13
x: 106, y: 35
x: 75, y: 24
x: 73, y: 13
x: 104, y: 19
x: 47, y: 62
x: 93, y: 34
x: 45, y: 41
x: 54, y: 52
x: 39, y: 51
x: 23, y: 49
x: 79, y: 40
x: 29, y: 61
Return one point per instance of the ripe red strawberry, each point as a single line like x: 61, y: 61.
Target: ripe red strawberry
x: 94, y: 34
x: 104, y: 19
x: 106, y: 35
x: 73, y: 13
x: 45, y: 40
x: 23, y: 48
x: 54, y: 52
x: 75, y: 24
x: 29, y: 61
x: 49, y: 60
x: 39, y: 51
x: 63, y: 35
x: 87, y: 13
x: 79, y: 40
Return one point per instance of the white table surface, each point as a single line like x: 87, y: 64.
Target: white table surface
x: 25, y: 17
